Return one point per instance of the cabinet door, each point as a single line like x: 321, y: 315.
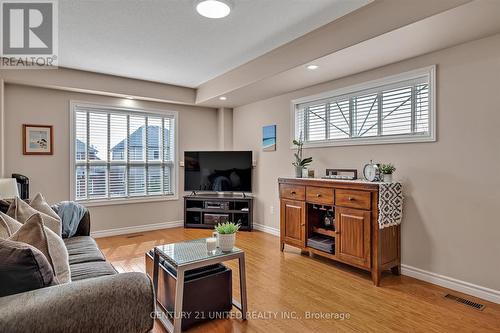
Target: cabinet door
x: 352, y: 243
x: 293, y: 222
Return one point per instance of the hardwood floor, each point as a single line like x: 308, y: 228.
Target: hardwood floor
x: 292, y: 284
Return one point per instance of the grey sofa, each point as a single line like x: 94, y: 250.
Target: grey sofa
x: 97, y: 300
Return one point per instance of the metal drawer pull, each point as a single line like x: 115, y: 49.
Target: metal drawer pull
x: 293, y: 192
x: 351, y: 199
x: 318, y: 195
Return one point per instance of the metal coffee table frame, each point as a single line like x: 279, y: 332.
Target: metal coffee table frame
x: 179, y: 286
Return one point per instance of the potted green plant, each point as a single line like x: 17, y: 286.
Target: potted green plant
x: 226, y: 234
x: 300, y: 163
x: 387, y: 170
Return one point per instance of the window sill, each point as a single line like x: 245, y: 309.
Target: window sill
x: 125, y: 201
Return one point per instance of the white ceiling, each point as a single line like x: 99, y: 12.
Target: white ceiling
x: 167, y: 41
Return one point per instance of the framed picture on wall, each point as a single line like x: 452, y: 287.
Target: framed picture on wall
x: 38, y: 139
x: 269, y: 138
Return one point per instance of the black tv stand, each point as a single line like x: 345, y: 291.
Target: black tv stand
x: 206, y: 210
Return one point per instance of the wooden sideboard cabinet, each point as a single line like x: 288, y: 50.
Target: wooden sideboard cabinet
x: 358, y: 240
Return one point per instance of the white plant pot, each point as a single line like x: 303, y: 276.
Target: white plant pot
x: 226, y: 242
x: 298, y: 172
x: 305, y: 173
x: 388, y: 178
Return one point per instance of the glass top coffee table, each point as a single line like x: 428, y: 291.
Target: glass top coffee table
x: 189, y: 255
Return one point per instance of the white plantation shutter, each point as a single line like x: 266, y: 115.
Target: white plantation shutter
x: 422, y: 109
x: 365, y: 115
x: 316, y: 122
x: 122, y: 153
x: 397, y: 110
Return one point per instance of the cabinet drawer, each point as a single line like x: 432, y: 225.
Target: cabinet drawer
x: 353, y: 199
x: 294, y: 192
x: 319, y: 195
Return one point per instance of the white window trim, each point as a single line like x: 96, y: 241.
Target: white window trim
x: 121, y: 201
x: 429, y: 71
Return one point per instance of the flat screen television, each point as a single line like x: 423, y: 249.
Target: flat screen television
x: 218, y: 171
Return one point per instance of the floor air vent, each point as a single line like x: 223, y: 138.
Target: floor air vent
x: 475, y: 305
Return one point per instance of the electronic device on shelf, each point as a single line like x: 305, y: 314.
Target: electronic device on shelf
x: 341, y: 174
x: 217, y: 205
x: 210, y: 218
x: 218, y: 171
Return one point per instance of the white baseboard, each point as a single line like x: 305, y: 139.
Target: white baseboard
x: 136, y: 229
x: 267, y: 229
x: 451, y: 283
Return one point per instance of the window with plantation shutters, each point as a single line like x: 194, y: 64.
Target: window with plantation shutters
x: 396, y: 109
x: 121, y: 154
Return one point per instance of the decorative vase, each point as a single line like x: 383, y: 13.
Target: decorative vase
x: 226, y: 242
x: 388, y: 177
x: 298, y: 172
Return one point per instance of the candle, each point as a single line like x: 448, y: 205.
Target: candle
x: 211, y: 244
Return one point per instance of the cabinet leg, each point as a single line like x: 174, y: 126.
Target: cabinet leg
x: 282, y: 246
x: 396, y: 270
x: 376, y: 277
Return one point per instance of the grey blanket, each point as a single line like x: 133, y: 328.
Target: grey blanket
x: 70, y: 213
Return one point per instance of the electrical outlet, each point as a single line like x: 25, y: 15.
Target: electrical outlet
x: 272, y: 209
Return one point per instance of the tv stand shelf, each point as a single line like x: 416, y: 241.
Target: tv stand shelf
x: 206, y: 210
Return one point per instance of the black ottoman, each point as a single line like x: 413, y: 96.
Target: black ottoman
x: 207, y: 291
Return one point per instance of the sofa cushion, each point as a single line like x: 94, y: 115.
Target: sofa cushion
x: 87, y: 270
x: 22, y: 268
x: 83, y: 249
x: 22, y: 211
x: 52, y: 246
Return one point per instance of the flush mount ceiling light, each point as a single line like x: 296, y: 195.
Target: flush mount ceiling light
x: 223, y: 98
x: 312, y: 67
x: 213, y: 8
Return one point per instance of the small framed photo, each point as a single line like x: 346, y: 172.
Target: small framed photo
x: 269, y: 138
x: 38, y: 140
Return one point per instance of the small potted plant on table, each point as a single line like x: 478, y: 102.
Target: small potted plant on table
x: 387, y: 170
x: 226, y: 233
x: 300, y: 163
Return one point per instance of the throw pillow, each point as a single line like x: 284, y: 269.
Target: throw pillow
x: 51, y: 245
x: 23, y: 268
x: 8, y: 226
x: 42, y: 206
x: 21, y: 211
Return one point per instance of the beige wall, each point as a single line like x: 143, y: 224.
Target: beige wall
x: 50, y: 174
x: 452, y: 187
